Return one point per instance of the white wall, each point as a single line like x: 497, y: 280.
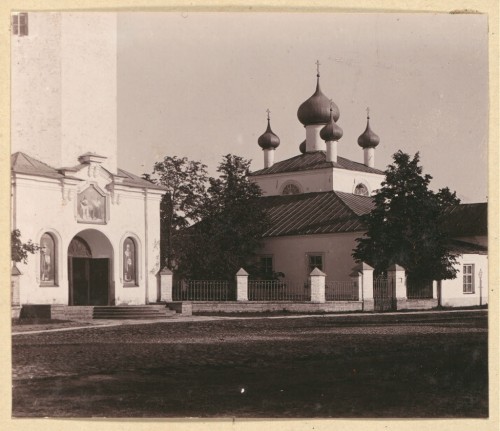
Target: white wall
x: 452, y: 290
x: 89, y: 83
x: 36, y: 89
x: 39, y: 207
x: 64, y: 87
x: 318, y: 180
x: 346, y: 181
x: 290, y: 254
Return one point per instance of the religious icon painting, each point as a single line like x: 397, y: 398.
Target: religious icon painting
x: 91, y: 206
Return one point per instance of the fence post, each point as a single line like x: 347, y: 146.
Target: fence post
x: 366, y: 286
x: 166, y: 285
x: 434, y: 289
x: 15, y: 298
x: 242, y: 285
x: 398, y: 275
x: 358, y: 282
x: 317, y: 286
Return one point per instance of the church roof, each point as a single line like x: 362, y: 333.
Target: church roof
x: 315, y: 213
x: 338, y: 212
x: 22, y: 163
x: 467, y: 220
x: 464, y: 247
x: 314, y: 160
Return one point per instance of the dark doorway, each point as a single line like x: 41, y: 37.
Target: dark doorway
x: 89, y: 281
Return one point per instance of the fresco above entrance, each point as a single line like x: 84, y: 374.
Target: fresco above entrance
x: 91, y: 206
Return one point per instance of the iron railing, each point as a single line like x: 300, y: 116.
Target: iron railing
x: 418, y: 289
x: 204, y: 290
x: 341, y: 291
x: 273, y: 290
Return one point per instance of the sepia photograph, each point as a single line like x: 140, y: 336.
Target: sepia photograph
x: 249, y: 215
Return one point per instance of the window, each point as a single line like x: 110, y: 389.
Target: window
x: 266, y: 265
x: 129, y: 262
x: 47, y: 260
x: 314, y: 261
x: 361, y: 190
x: 20, y: 24
x: 290, y: 189
x: 468, y: 277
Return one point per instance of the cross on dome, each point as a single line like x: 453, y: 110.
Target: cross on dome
x: 317, y: 67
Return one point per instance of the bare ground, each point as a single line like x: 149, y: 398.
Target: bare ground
x: 307, y: 367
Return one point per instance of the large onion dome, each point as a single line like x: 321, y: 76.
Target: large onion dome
x: 268, y: 140
x: 316, y: 109
x: 368, y: 139
x: 332, y: 131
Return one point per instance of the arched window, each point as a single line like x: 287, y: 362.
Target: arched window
x: 48, y: 262
x: 290, y: 189
x: 129, y: 262
x: 361, y: 190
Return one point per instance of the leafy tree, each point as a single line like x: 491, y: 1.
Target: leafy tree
x: 229, y: 235
x: 20, y: 250
x: 405, y: 227
x: 186, y: 189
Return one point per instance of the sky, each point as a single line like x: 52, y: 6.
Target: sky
x: 198, y: 85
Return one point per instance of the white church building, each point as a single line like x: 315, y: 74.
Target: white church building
x: 97, y: 225
x: 315, y: 200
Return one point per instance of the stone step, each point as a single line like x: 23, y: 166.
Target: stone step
x: 132, y: 312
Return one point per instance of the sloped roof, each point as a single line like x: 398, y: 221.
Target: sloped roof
x: 22, y: 163
x: 467, y: 220
x: 315, y: 213
x: 463, y: 247
x: 314, y: 160
x: 136, y: 181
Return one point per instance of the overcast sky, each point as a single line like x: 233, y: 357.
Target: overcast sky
x: 198, y: 85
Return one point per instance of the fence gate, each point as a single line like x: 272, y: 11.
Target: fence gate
x: 383, y: 294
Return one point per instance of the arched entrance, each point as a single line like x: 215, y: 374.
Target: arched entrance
x: 90, y: 261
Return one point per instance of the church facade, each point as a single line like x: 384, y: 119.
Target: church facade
x: 315, y: 199
x: 97, y: 225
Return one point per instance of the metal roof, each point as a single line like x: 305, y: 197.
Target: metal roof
x: 463, y: 247
x: 315, y: 213
x: 467, y: 220
x: 21, y: 163
x: 314, y: 160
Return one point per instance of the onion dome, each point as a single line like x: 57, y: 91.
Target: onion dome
x: 302, y: 147
x: 316, y: 109
x: 268, y: 140
x: 332, y: 131
x: 368, y: 139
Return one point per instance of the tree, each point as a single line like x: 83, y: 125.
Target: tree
x: 20, y: 250
x: 405, y: 227
x: 229, y: 235
x: 186, y: 189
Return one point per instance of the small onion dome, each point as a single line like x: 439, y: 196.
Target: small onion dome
x: 302, y: 147
x: 268, y: 140
x: 332, y: 131
x: 316, y: 109
x: 368, y: 139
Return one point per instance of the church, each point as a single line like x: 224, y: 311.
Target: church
x: 314, y: 201
x: 97, y: 225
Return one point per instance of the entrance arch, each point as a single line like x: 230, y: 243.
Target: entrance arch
x: 90, y: 269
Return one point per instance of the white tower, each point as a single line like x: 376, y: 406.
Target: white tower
x: 64, y: 87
